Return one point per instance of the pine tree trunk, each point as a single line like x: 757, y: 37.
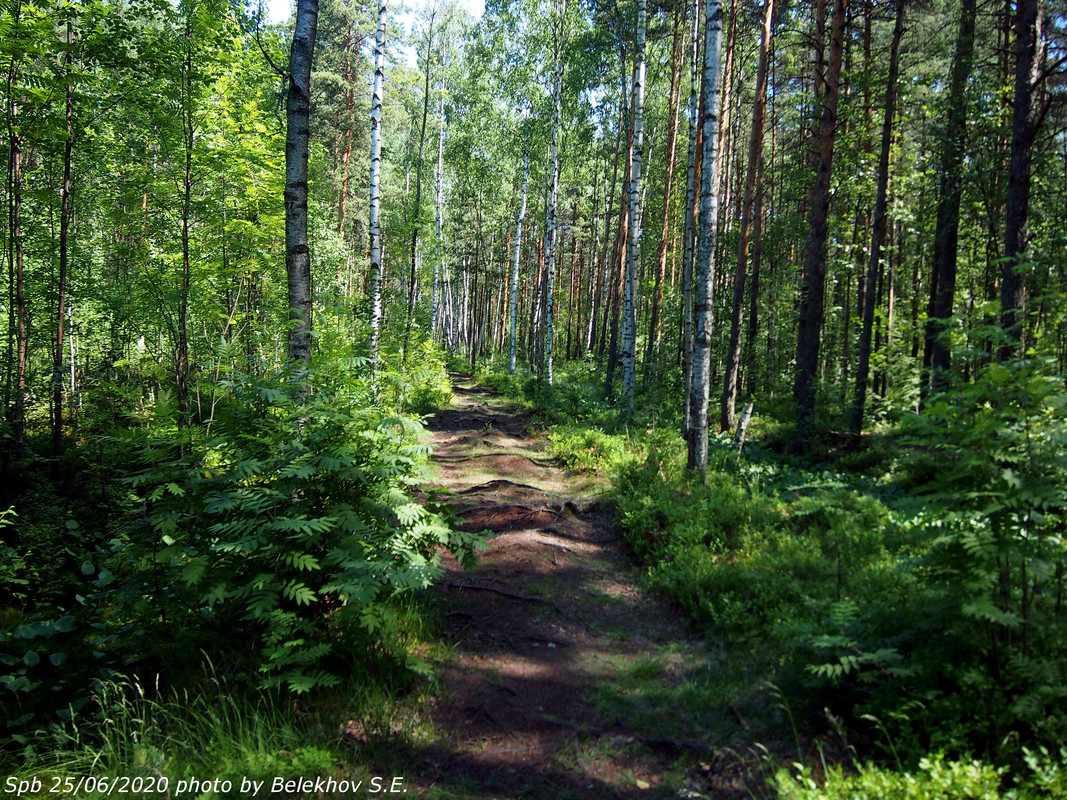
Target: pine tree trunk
x: 878, y: 225
x: 298, y: 117
x: 654, y: 326
x: 64, y: 256
x: 688, y: 236
x: 1025, y: 122
x: 515, y: 262
x: 375, y: 225
x: 813, y: 285
x: 755, y: 150
x: 413, y: 278
x: 937, y: 354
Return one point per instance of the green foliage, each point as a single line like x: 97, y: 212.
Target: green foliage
x: 991, y: 459
x: 290, y: 525
x: 588, y: 449
x: 937, y: 777
x: 422, y: 385
x: 150, y: 731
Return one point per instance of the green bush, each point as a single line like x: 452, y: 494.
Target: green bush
x: 289, y: 525
x: 937, y: 778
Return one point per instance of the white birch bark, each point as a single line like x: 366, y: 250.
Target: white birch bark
x: 375, y: 226
x: 628, y: 356
x: 514, y: 312
x: 553, y: 185
x: 700, y: 369
x: 439, y: 265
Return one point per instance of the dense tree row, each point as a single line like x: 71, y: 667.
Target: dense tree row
x: 856, y: 197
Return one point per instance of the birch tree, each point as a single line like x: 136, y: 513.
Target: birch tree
x: 700, y: 364
x: 560, y: 28
x: 633, y: 239
x: 375, y: 224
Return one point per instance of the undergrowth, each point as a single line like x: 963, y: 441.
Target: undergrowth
x: 282, y: 535
x: 917, y: 582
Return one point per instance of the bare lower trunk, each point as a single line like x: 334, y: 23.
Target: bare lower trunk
x: 690, y: 219
x: 514, y: 316
x: 553, y: 185
x: 375, y: 225
x: 878, y: 225
x: 628, y: 354
x: 439, y: 265
x: 654, y: 326
x: 813, y: 285
x: 1025, y: 122
x: 755, y: 151
x: 298, y: 118
x: 946, y: 236
x: 64, y: 255
x: 704, y: 286
x: 413, y: 278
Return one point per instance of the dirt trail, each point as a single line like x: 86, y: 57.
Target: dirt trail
x: 550, y: 635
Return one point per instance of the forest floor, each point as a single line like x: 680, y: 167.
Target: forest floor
x: 560, y: 677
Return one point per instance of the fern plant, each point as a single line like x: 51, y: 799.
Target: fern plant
x: 291, y: 523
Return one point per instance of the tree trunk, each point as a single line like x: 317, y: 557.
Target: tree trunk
x: 352, y: 45
x: 181, y: 360
x: 700, y: 369
x: 618, y: 257
x: 515, y: 262
x: 553, y: 183
x: 64, y: 255
x: 878, y: 225
x: 16, y: 411
x: 440, y: 255
x: 1025, y: 122
x: 690, y: 218
x: 298, y: 117
x: 375, y: 225
x: 654, y: 327
x: 755, y: 150
x: 413, y: 280
x: 628, y: 355
x: 813, y: 285
x: 752, y: 381
x: 938, y: 356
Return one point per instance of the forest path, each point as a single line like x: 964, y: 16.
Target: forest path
x: 564, y: 679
